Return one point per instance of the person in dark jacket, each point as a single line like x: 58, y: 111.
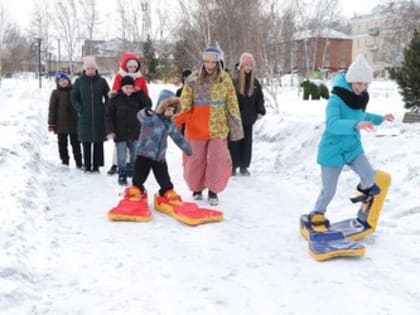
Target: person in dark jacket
x: 122, y: 124
x: 62, y: 119
x: 185, y: 74
x: 251, y: 104
x: 89, y: 96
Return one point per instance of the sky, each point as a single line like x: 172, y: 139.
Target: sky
x: 21, y: 9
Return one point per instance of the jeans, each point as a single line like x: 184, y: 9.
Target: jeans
x: 133, y: 146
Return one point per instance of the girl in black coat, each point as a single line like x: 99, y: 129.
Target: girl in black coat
x: 62, y: 119
x: 251, y: 105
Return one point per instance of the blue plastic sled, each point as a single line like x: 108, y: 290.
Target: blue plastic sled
x: 328, y: 244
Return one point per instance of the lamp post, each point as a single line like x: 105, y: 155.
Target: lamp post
x: 38, y: 40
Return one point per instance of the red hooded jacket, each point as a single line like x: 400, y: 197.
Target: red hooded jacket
x: 139, y: 81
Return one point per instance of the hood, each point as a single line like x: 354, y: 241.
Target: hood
x: 340, y: 81
x: 127, y: 56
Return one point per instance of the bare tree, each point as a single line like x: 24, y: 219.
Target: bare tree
x: 67, y: 27
x: 89, y: 19
x: 313, y: 18
x: 17, y: 53
x: 3, y: 23
x: 41, y: 27
x: 401, y: 19
x: 123, y: 20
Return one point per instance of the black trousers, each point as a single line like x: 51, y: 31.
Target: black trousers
x: 160, y: 170
x: 75, y: 145
x: 98, y: 155
x: 241, y: 151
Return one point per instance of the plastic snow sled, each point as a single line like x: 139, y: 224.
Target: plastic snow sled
x: 185, y: 212
x: 325, y: 244
x: 133, y: 207
x: 368, y: 215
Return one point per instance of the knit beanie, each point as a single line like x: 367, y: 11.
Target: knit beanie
x: 359, y: 71
x: 127, y: 80
x: 247, y: 58
x: 62, y: 75
x: 168, y: 98
x: 89, y: 62
x: 132, y: 62
x: 212, y: 54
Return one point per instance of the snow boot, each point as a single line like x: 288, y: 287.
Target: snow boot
x: 314, y: 222
x: 197, y: 195
x: 213, y: 199
x: 130, y: 169
x: 122, y: 177
x: 234, y: 171
x: 112, y: 170
x: 133, y: 207
x: 365, y: 195
x: 244, y: 171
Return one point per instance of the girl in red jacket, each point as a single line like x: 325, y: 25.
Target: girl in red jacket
x: 130, y: 65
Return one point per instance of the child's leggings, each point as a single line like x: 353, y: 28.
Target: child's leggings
x: 330, y: 175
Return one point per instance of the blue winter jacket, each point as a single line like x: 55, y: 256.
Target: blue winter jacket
x: 154, y: 132
x: 340, y: 143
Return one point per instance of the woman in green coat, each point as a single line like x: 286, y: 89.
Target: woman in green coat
x: 89, y: 96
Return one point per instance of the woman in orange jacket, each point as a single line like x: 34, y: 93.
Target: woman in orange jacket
x: 210, y: 113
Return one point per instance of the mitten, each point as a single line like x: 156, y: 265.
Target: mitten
x: 52, y: 128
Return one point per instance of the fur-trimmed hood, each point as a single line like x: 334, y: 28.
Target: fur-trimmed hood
x: 167, y: 98
x: 129, y: 56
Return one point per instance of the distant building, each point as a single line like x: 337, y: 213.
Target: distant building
x: 368, y: 33
x: 108, y: 52
x: 329, y: 50
x: 381, y: 36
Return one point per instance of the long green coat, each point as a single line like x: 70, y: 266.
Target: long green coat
x: 89, y: 96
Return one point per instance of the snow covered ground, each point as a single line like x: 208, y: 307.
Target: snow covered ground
x: 60, y: 254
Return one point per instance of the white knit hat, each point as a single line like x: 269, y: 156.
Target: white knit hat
x: 359, y: 71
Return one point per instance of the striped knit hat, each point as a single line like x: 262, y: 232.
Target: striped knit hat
x: 212, y: 54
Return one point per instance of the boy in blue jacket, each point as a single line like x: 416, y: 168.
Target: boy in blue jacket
x: 341, y: 143
x: 155, y: 129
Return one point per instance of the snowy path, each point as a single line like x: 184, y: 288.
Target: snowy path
x: 254, y: 262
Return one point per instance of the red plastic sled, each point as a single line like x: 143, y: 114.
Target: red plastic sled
x: 185, y: 212
x: 133, y: 207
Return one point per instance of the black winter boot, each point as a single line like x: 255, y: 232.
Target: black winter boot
x: 112, y: 170
x: 122, y: 177
x: 213, y: 199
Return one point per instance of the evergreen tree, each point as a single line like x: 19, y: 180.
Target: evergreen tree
x: 182, y: 56
x: 407, y: 75
x: 150, y: 60
x: 165, y: 69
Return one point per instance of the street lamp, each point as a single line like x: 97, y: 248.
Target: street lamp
x: 38, y: 40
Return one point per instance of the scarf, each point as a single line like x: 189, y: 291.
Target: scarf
x: 134, y: 75
x: 352, y: 100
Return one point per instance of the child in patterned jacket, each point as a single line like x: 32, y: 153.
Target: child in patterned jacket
x: 156, y: 126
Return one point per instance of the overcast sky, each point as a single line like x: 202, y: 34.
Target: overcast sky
x: 20, y: 10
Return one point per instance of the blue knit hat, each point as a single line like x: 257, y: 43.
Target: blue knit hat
x: 212, y: 54
x: 167, y: 98
x: 62, y: 75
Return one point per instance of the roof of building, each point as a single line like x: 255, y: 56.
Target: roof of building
x: 324, y: 33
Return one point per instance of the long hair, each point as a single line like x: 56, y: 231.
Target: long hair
x: 203, y: 75
x: 242, y: 82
